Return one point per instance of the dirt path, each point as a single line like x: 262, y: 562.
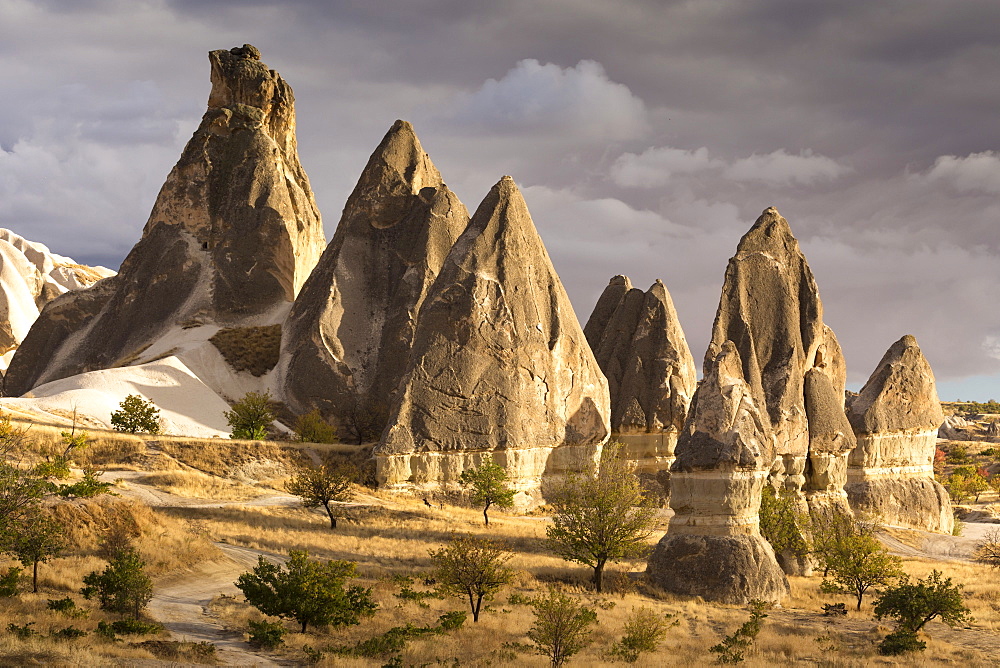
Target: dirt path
x: 181, y: 605
x: 939, y: 547
x: 158, y: 498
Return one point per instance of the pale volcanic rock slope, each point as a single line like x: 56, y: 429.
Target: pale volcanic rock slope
x: 499, y: 366
x: 896, y: 417
x: 231, y: 238
x: 348, y: 336
x: 30, y: 277
x: 651, y: 373
x: 713, y: 547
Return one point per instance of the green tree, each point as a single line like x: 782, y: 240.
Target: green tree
x: 310, y: 592
x: 830, y: 528
x: 779, y: 522
x: 323, y: 485
x: 312, y: 428
x: 915, y: 604
x: 251, y: 416
x: 136, y: 415
x: 21, y: 486
x: 562, y: 626
x: 472, y: 568
x: 123, y: 586
x: 859, y: 564
x: 36, y: 540
x: 489, y: 486
x: 601, y: 516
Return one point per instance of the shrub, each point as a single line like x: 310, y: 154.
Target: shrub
x: 251, y: 416
x: 136, y: 415
x: 900, y: 642
x: 123, y: 586
x: 312, y: 428
x: 267, y: 635
x: 988, y: 550
x: 561, y: 628
x: 310, y: 592
x: 85, y: 488
x: 958, y: 454
x: 67, y: 606
x: 644, y: 630
x: 9, y: 582
x: 23, y: 632
x: 135, y: 627
x: 779, y: 522
x: 915, y: 604
x: 68, y: 633
x: 395, y: 639
x: 733, y: 647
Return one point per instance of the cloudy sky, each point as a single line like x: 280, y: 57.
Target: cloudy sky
x: 647, y: 136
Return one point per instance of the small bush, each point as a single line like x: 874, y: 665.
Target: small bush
x: 68, y: 633
x: 135, y: 627
x: 733, y: 647
x: 267, y: 635
x: 958, y: 454
x: 644, y: 630
x: 105, y: 631
x: 251, y: 416
x: 67, y: 606
x: 23, y: 632
x: 88, y: 487
x: 9, y: 582
x: 899, y: 642
x: 562, y: 626
x: 57, y: 467
x: 312, y: 428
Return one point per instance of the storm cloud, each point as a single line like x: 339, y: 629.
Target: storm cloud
x: 647, y: 136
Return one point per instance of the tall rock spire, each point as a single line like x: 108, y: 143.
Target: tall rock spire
x: 651, y: 374
x: 499, y: 366
x: 232, y: 236
x: 896, y: 418
x: 348, y: 336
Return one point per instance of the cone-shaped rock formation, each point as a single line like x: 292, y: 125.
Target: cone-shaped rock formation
x: 896, y: 418
x: 231, y: 238
x: 499, y: 365
x: 650, y: 370
x: 348, y: 336
x: 713, y: 547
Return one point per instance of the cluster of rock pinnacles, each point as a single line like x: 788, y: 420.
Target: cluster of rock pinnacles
x: 450, y: 338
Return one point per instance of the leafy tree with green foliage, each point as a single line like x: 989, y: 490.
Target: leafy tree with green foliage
x: 858, y: 564
x: 312, y: 428
x: 915, y: 604
x: 37, y: 539
x: 136, y: 415
x: 562, y: 626
x: 489, y: 486
x: 21, y: 487
x: 472, y: 568
x: 601, y: 516
x: 251, y: 416
x: 123, y: 586
x: 310, y: 592
x: 323, y: 485
x: 829, y: 529
x: 780, y: 522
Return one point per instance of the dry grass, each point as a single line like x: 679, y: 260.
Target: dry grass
x: 198, y: 485
x: 246, y: 461
x: 251, y: 349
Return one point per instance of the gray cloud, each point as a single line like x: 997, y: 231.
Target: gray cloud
x: 647, y: 136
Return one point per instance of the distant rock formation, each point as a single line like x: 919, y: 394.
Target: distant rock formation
x: 651, y: 374
x: 955, y: 428
x: 713, y: 547
x: 231, y: 238
x: 348, y: 336
x: 30, y: 277
x: 896, y: 418
x: 499, y: 366
x: 771, y: 310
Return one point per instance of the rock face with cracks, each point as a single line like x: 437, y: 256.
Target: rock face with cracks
x: 231, y: 238
x: 499, y: 366
x: 896, y: 417
x: 651, y: 374
x: 348, y: 336
x: 713, y: 547
x: 771, y: 311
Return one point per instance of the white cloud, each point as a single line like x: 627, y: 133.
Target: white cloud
x: 976, y: 172
x: 782, y: 168
x: 654, y: 166
x: 578, y: 101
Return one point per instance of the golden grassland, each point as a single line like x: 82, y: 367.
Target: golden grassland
x: 389, y: 535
